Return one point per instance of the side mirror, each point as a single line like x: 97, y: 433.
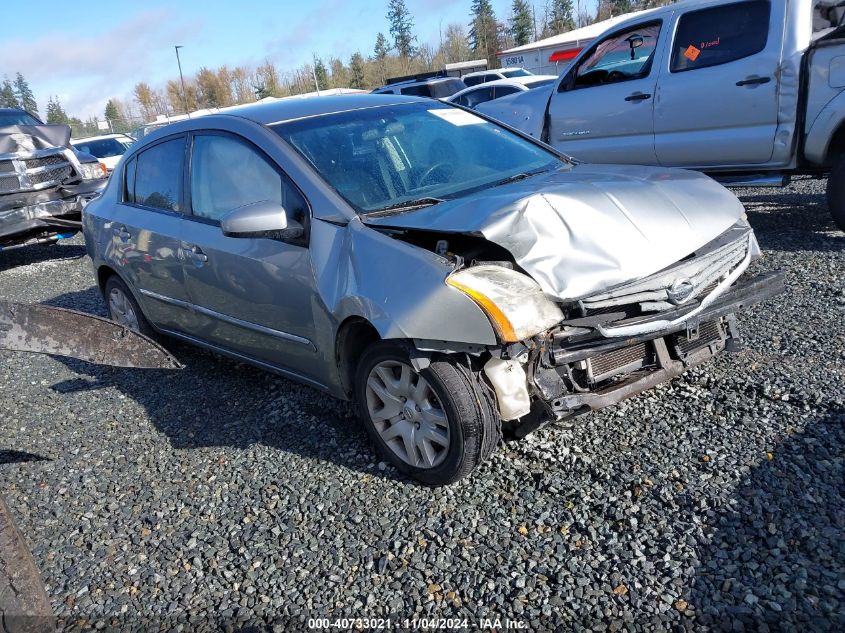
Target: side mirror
x: 261, y: 219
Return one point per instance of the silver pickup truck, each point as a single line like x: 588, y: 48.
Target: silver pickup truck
x: 751, y: 92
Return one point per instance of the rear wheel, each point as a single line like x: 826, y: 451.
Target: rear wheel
x: 435, y: 425
x: 836, y: 192
x: 123, y: 308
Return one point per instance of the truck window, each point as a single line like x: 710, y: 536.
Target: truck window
x: 710, y: 37
x: 621, y: 57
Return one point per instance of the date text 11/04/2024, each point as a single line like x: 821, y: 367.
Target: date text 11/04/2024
x: 498, y: 624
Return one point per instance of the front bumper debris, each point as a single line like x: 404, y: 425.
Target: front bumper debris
x: 56, y: 331
x: 588, y: 372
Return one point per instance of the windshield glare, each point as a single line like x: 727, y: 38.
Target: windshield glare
x: 381, y: 157
x: 519, y: 72
x: 102, y: 148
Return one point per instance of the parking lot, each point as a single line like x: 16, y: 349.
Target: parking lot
x: 716, y: 500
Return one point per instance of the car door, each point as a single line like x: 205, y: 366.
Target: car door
x: 717, y: 97
x: 603, y: 108
x: 146, y: 232
x: 253, y: 296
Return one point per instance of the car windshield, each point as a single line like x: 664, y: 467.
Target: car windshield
x: 386, y: 157
x: 17, y: 118
x: 519, y: 72
x: 102, y: 148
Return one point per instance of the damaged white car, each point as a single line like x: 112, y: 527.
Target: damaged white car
x: 453, y: 277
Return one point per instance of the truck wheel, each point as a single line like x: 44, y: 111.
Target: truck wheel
x: 123, y: 308
x: 24, y: 607
x: 434, y: 425
x: 836, y: 192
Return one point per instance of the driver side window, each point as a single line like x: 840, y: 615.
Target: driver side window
x: 621, y: 57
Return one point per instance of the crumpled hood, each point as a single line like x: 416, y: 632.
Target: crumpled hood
x: 30, y: 138
x: 584, y: 229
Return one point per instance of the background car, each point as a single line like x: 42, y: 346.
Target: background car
x: 107, y: 148
x: 483, y: 76
x: 473, y: 96
x: 433, y: 87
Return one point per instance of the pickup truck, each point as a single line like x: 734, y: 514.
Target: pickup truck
x: 44, y: 182
x: 751, y: 92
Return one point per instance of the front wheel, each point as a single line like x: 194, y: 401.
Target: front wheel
x: 836, y: 192
x: 435, y: 425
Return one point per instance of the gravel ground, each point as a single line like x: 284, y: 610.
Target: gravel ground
x: 711, y: 503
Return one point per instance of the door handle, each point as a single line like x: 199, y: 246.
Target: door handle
x: 638, y: 96
x: 195, y: 253
x: 754, y: 81
x: 121, y: 232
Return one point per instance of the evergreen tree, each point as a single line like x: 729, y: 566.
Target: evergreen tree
x: 522, y: 23
x: 26, y: 99
x: 8, y: 98
x: 401, y: 24
x: 112, y: 112
x: 321, y: 75
x: 612, y: 8
x: 357, y: 78
x: 484, y: 31
x: 56, y: 113
x: 561, y: 17
x: 381, y: 48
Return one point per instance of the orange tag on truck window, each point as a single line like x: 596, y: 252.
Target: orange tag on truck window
x: 692, y: 53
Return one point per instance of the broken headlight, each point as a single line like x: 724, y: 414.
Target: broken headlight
x: 514, y: 303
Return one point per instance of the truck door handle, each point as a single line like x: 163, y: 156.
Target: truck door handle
x: 195, y: 253
x: 754, y: 81
x: 638, y: 96
x: 121, y: 232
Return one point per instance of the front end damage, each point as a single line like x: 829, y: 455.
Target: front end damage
x: 43, y: 185
x: 623, y: 341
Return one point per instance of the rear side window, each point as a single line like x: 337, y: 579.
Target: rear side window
x: 502, y: 91
x: 154, y: 177
x: 422, y: 90
x: 473, y: 81
x: 720, y: 35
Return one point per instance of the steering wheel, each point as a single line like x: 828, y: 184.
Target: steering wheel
x: 428, y: 173
x: 615, y: 75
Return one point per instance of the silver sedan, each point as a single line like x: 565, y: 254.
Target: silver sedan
x: 456, y: 279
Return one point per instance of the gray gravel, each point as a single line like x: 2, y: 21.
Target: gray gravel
x: 712, y: 503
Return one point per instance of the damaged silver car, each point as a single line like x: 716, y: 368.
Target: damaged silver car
x: 44, y: 182
x: 456, y: 279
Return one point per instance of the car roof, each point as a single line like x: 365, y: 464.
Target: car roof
x: 290, y: 109
x: 100, y: 137
x: 488, y: 84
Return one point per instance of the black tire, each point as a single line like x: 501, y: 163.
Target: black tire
x: 836, y: 192
x: 24, y: 606
x: 474, y: 425
x: 116, y: 283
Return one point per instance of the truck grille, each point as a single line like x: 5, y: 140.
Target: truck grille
x: 47, y: 169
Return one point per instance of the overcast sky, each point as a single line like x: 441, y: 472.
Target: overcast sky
x: 86, y: 52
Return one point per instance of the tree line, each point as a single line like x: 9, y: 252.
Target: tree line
x: 399, y: 52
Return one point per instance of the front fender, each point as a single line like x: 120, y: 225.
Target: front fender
x: 397, y: 287
x: 823, y: 129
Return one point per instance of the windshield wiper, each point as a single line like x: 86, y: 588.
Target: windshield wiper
x: 407, y: 205
x: 519, y: 176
